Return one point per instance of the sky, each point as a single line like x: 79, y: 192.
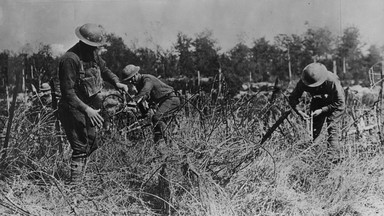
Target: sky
x: 157, y: 22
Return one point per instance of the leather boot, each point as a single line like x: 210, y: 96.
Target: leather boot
x: 77, y: 170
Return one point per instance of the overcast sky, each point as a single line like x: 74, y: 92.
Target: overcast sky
x: 157, y: 22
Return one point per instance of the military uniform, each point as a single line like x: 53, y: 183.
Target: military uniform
x: 157, y: 92
x: 80, y: 84
x: 81, y: 75
x: 327, y: 96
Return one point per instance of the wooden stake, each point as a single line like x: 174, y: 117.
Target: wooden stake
x: 380, y: 106
x: 334, y: 67
x: 3, y: 151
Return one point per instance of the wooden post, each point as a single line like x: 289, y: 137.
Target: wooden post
x: 6, y: 97
x: 3, y: 151
x: 31, y: 72
x: 334, y: 67
x: 22, y: 80
x: 380, y: 106
x: 198, y: 80
x: 289, y: 66
x: 219, y: 89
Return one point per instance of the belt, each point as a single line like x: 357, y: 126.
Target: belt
x: 165, y: 97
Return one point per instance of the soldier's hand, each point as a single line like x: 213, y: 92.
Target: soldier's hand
x: 317, y: 112
x: 122, y: 87
x: 94, y: 116
x: 303, y: 114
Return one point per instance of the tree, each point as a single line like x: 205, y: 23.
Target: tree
x: 118, y: 55
x: 233, y: 80
x: 40, y: 66
x: 166, y: 64
x: 4, y: 58
x: 266, y: 58
x: 292, y: 53
x: 319, y: 43
x: 146, y: 60
x: 186, y: 61
x: 374, y: 56
x: 242, y: 63
x: 206, y: 54
x: 349, y: 55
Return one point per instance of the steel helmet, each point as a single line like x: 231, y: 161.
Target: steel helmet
x: 45, y: 87
x: 91, y: 34
x: 129, y: 71
x: 314, y: 74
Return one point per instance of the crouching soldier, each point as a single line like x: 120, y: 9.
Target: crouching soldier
x: 81, y: 74
x: 156, y: 92
x: 327, y: 104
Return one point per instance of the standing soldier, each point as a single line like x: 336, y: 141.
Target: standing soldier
x: 81, y: 74
x: 328, y: 102
x: 154, y: 91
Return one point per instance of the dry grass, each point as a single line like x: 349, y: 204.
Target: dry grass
x: 213, y: 167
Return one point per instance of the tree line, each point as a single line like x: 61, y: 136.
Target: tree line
x: 264, y: 60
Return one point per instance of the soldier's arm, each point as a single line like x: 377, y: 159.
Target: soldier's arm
x: 144, y: 93
x: 106, y: 73
x: 338, y: 102
x: 67, y: 76
x: 296, y: 94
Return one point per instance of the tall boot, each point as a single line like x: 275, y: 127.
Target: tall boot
x: 77, y: 170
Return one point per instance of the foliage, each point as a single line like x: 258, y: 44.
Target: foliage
x: 282, y: 58
x: 205, y: 54
x: 186, y: 62
x: 215, y: 165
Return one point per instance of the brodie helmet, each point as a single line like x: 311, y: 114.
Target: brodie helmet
x: 91, y: 34
x: 314, y: 74
x: 129, y: 71
x: 45, y: 87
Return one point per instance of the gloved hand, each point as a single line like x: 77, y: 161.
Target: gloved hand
x: 94, y: 116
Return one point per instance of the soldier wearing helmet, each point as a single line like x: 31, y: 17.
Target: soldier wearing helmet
x: 81, y: 74
x: 156, y: 92
x: 45, y: 94
x: 328, y: 101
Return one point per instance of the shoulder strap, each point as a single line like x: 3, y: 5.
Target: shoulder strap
x: 81, y: 74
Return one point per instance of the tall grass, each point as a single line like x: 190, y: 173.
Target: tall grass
x: 214, y: 165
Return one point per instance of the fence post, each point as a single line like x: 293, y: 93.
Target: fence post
x: 220, y: 84
x: 198, y: 80
x: 334, y: 67
x: 3, y: 151
x: 380, y: 105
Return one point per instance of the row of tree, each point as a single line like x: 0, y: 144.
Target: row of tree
x: 282, y: 58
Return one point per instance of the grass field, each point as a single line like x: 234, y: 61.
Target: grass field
x: 214, y: 165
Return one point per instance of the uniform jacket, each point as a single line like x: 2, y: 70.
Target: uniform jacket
x: 152, y: 89
x: 71, y: 64
x: 328, y: 97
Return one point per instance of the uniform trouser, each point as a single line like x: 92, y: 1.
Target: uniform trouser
x: 80, y: 134
x: 162, y: 117
x: 332, y: 119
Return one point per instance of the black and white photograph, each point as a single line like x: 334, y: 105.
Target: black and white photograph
x: 192, y: 107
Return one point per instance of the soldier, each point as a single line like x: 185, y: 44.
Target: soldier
x: 45, y: 94
x: 163, y: 96
x: 81, y: 74
x: 154, y: 91
x: 328, y: 102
